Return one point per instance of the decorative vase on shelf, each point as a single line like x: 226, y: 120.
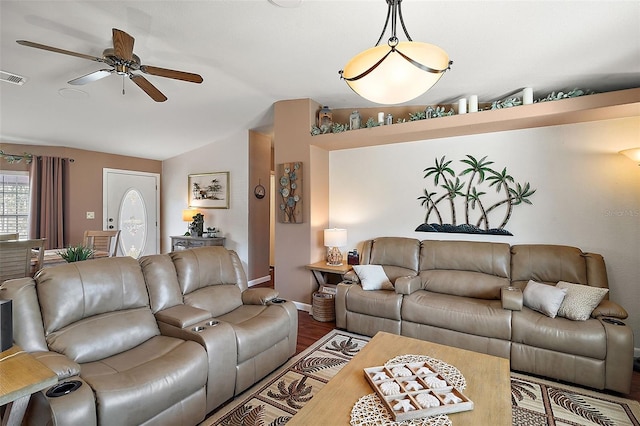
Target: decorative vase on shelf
x: 354, y: 120
x: 325, y: 118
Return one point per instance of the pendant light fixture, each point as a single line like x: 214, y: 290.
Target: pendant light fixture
x: 398, y: 71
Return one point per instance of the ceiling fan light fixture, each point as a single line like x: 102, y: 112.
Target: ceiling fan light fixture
x: 398, y: 71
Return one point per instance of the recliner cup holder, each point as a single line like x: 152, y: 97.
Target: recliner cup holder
x: 63, y: 388
x: 198, y: 328
x: 213, y: 323
x: 277, y: 300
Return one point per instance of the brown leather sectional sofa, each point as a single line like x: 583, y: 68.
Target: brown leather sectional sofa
x: 163, y: 340
x: 460, y: 293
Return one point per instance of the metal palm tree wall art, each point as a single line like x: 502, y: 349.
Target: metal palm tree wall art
x: 473, y: 196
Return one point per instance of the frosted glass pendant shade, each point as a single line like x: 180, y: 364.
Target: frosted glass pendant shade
x: 403, y: 73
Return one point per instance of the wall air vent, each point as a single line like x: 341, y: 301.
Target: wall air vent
x: 12, y: 78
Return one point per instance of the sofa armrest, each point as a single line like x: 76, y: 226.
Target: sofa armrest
x: 182, y: 316
x: 607, y: 308
x: 511, y: 298
x: 61, y: 365
x: 351, y: 277
x: 258, y: 296
x: 407, y: 285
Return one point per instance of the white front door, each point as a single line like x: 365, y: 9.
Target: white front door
x: 131, y: 204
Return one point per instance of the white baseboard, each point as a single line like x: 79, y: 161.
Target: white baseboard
x: 259, y: 281
x: 302, y: 306
x: 636, y: 352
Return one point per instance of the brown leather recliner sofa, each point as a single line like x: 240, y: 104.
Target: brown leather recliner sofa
x: 470, y: 295
x: 162, y: 340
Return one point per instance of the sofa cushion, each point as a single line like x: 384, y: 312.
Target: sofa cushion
x: 463, y: 314
x: 583, y: 338
x: 580, y: 300
x: 135, y: 386
x: 96, y: 308
x: 543, y: 298
x: 465, y: 268
x: 464, y: 283
x: 372, y: 277
x: 162, y: 282
x: 217, y: 299
x: 394, y: 251
x: 203, y: 267
x: 257, y: 328
x: 548, y: 264
x: 376, y: 303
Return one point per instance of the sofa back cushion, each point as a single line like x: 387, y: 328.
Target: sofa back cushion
x: 398, y: 256
x: 162, y: 281
x: 208, y: 278
x: 465, y: 268
x: 95, y: 309
x: 554, y: 263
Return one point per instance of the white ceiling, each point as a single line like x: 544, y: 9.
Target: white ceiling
x: 254, y: 53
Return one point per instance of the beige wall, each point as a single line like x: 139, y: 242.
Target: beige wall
x: 229, y: 153
x: 587, y: 195
x: 297, y: 244
x: 85, y: 181
x: 259, y: 231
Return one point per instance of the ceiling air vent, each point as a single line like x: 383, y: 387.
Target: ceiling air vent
x: 12, y: 78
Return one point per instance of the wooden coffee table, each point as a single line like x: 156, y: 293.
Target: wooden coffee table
x: 488, y: 383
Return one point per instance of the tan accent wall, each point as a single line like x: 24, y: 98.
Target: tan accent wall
x: 259, y: 173
x: 85, y: 181
x: 297, y: 244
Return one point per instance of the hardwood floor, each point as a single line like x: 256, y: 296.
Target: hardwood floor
x: 310, y: 330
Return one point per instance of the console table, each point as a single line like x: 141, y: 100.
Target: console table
x: 184, y: 242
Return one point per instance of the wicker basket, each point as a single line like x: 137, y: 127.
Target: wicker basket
x: 324, y: 308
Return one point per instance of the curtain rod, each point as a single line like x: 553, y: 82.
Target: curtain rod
x: 28, y: 158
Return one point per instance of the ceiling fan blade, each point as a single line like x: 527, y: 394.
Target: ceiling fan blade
x: 96, y: 75
x: 57, y: 50
x: 123, y: 44
x: 149, y: 88
x: 178, y: 75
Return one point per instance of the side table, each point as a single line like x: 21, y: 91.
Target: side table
x: 323, y: 272
x: 183, y: 242
x: 21, y: 375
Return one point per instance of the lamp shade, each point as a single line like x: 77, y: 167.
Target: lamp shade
x: 633, y: 154
x: 407, y: 71
x: 188, y: 214
x: 335, y: 237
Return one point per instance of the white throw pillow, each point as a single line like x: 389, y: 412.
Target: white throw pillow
x: 372, y: 277
x: 580, y: 300
x: 543, y: 298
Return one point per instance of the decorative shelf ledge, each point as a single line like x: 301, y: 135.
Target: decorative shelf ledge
x: 601, y: 106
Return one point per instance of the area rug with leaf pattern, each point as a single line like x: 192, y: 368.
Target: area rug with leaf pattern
x: 275, y: 399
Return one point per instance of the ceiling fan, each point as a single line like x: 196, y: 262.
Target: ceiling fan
x: 123, y: 62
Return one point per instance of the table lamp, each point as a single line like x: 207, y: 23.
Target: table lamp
x: 187, y: 216
x: 334, y: 238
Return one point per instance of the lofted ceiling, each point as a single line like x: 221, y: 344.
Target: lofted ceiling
x: 254, y: 53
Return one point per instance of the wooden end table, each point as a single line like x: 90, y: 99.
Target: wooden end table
x: 321, y: 271
x: 21, y: 375
x: 488, y: 383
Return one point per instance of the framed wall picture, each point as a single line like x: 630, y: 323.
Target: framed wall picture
x: 209, y: 190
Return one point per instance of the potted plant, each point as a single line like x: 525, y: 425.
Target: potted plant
x: 76, y: 253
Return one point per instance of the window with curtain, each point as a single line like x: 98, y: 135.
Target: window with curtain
x: 14, y: 203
